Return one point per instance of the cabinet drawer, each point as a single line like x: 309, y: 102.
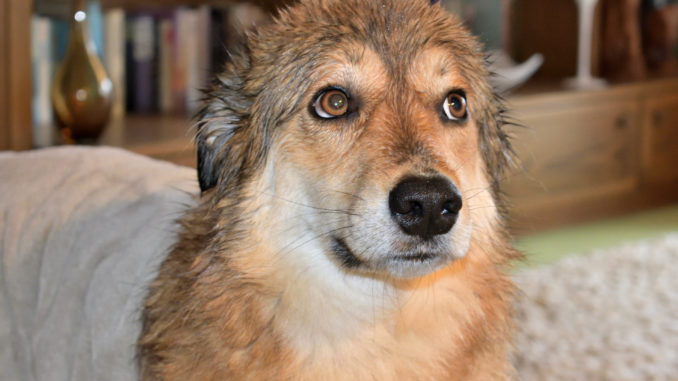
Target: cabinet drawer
x: 660, y: 129
x: 574, y: 149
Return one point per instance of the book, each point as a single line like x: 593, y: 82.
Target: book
x: 218, y: 39
x: 190, y: 42
x: 192, y: 63
x: 166, y: 54
x: 202, y: 65
x: 42, y: 62
x: 141, y: 69
x: 183, y: 20
x: 114, y: 58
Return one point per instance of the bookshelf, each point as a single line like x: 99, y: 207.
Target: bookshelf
x: 158, y: 135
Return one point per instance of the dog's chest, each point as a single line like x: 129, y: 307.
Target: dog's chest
x: 368, y: 332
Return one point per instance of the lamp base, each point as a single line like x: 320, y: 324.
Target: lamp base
x: 585, y: 83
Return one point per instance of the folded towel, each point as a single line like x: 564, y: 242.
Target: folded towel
x: 82, y: 232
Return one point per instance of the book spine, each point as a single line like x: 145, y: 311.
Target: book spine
x: 192, y: 74
x: 165, y: 68
x: 218, y: 45
x: 130, y: 89
x: 203, y: 56
x: 44, y: 133
x: 114, y: 58
x: 182, y: 52
x: 194, y: 52
x: 143, y: 58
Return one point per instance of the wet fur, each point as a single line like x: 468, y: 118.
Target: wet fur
x: 250, y: 291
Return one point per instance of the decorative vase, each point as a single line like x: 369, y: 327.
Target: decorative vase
x: 82, y: 92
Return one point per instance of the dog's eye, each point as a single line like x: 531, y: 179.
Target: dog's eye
x: 455, y: 106
x: 331, y: 104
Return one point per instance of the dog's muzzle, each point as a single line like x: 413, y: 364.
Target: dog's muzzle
x: 423, y: 211
x: 425, y: 206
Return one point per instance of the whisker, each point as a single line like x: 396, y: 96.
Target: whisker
x: 348, y: 194
x: 297, y: 203
x: 287, y: 249
x: 479, y: 192
x: 477, y: 207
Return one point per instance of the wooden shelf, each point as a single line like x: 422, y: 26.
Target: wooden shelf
x: 545, y: 86
x: 165, y: 137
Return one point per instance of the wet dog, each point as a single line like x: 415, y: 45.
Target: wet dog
x: 349, y: 225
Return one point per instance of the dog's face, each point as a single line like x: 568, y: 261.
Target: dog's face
x: 369, y: 128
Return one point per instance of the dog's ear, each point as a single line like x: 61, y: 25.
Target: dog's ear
x: 224, y: 114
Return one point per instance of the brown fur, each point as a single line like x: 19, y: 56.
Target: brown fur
x: 251, y: 290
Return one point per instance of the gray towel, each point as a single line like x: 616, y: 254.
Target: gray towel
x: 82, y: 232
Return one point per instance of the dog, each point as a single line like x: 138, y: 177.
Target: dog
x: 350, y: 222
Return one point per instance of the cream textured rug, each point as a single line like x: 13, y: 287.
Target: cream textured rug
x: 609, y: 315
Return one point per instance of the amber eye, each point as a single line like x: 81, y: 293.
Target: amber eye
x: 455, y: 106
x: 331, y: 104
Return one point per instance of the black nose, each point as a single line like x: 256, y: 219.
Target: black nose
x: 425, y: 206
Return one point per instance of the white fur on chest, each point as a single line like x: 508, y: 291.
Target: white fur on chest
x: 349, y: 327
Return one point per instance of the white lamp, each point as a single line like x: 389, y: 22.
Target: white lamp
x: 584, y: 79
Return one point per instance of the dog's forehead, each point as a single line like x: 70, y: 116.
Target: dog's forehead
x: 396, y: 30
x: 435, y: 67
x: 426, y: 71
x: 354, y: 63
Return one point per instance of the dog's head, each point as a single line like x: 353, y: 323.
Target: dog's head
x: 365, y: 128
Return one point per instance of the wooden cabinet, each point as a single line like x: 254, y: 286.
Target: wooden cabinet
x: 585, y: 155
x: 568, y: 150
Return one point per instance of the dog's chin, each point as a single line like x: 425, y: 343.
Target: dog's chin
x: 400, y: 265
x: 414, y: 265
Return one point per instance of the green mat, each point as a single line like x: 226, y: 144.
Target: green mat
x: 548, y: 247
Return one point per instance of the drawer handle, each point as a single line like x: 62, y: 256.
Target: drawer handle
x: 657, y: 119
x: 622, y: 122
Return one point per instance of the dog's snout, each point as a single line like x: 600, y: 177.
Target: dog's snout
x: 425, y: 206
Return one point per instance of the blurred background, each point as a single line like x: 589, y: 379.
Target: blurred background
x: 598, y: 164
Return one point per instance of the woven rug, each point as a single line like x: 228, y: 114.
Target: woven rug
x: 608, y: 315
